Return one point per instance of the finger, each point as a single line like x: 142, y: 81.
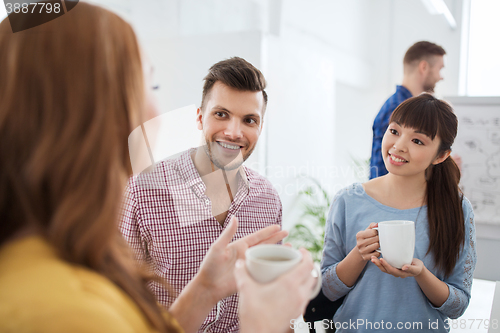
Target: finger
x: 275, y: 238
x: 306, y: 257
x: 370, y: 232
x: 386, y: 265
x: 370, y: 248
x: 377, y: 263
x: 302, y: 272
x: 243, y: 279
x: 369, y: 240
x: 227, y: 235
x: 392, y: 270
x: 262, y: 234
x: 315, y: 277
x: 370, y: 255
x: 288, y: 244
x: 410, y: 269
x: 366, y: 234
x: 398, y: 273
x: 294, y: 280
x: 406, y: 268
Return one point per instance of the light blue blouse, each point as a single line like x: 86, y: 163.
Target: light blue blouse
x: 380, y: 302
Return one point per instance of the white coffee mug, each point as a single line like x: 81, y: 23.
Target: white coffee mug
x: 397, y: 242
x: 266, y: 262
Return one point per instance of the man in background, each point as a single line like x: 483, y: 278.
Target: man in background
x: 422, y: 66
x: 174, y: 213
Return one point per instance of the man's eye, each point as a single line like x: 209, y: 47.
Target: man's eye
x: 220, y: 114
x: 250, y: 121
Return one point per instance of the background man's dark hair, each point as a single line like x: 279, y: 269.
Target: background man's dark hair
x: 422, y: 51
x: 236, y: 73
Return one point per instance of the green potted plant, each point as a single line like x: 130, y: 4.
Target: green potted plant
x: 309, y: 232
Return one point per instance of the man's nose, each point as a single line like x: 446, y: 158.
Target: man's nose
x: 233, y: 129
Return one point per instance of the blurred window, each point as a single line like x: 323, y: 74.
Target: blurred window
x: 483, y: 70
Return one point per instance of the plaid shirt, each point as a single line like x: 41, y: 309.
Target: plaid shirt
x: 377, y: 166
x: 168, y: 222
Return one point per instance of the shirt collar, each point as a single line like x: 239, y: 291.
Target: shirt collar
x: 191, y: 176
x: 186, y: 168
x: 403, y: 90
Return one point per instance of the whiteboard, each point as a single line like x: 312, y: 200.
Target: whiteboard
x: 478, y: 144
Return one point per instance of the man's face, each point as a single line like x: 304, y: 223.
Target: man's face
x: 433, y: 74
x: 231, y: 124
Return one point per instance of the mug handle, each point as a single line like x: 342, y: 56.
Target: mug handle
x: 317, y: 288
x: 378, y: 250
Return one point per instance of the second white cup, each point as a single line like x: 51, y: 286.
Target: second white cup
x: 397, y: 242
x: 266, y: 262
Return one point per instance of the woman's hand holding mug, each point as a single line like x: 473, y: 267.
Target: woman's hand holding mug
x: 367, y: 242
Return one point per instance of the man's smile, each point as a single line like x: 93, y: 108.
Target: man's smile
x: 229, y: 145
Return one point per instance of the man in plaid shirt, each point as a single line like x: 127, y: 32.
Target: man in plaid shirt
x: 422, y: 65
x: 173, y: 213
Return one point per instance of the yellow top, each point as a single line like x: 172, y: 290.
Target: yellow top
x: 41, y: 293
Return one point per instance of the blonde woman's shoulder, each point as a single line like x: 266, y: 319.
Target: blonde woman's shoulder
x: 39, y: 292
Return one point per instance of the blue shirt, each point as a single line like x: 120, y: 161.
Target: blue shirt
x: 378, y: 297
x: 380, y: 124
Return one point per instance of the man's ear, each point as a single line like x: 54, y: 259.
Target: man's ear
x: 199, y: 119
x: 442, y: 158
x: 423, y: 66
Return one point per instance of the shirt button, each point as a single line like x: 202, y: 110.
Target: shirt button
x: 206, y: 202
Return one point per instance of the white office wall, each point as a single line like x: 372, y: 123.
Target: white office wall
x: 300, y: 117
x: 411, y: 23
x: 181, y: 63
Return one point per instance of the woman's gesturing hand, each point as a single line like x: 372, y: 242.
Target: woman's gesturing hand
x: 216, y: 270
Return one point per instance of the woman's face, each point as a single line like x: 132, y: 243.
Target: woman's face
x: 151, y: 108
x: 409, y: 152
x: 142, y: 139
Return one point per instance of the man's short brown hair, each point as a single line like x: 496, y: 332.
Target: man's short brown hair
x: 422, y: 51
x: 236, y: 73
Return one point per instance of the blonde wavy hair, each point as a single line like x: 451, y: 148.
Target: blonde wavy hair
x: 71, y: 90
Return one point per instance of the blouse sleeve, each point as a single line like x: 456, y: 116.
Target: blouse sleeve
x: 334, y: 249
x: 460, y: 280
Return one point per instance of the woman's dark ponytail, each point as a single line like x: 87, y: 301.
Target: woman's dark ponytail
x: 445, y: 214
